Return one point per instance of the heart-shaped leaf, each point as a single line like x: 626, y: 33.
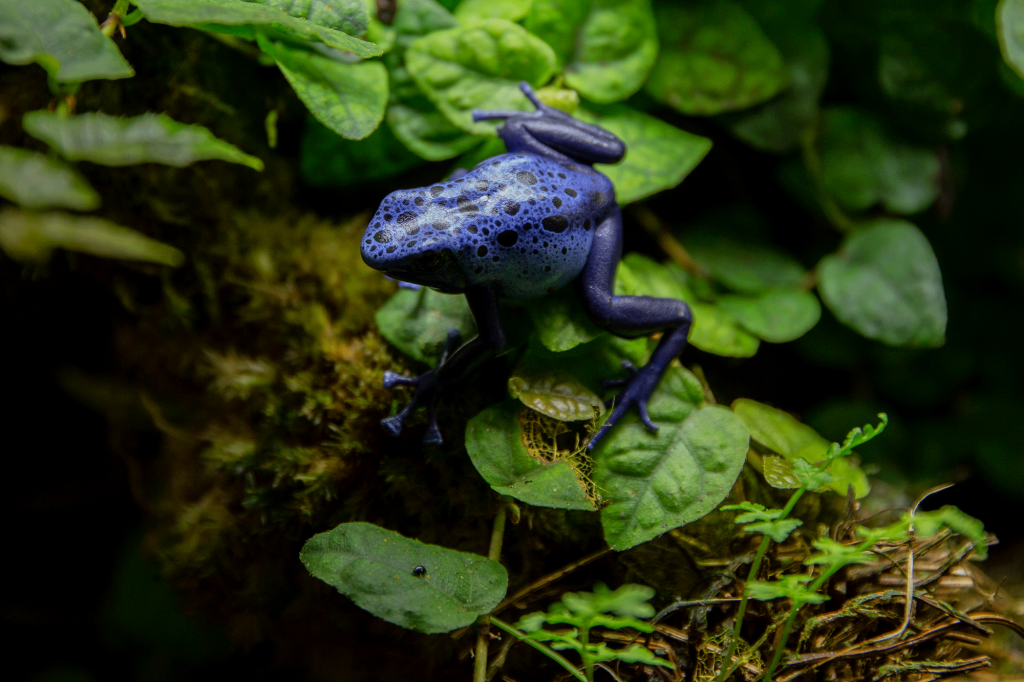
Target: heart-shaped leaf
x: 418, y: 586
x: 35, y: 180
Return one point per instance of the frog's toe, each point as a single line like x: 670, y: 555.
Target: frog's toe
x: 393, y: 425
x: 645, y: 416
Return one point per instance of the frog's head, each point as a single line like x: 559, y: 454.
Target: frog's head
x: 406, y: 241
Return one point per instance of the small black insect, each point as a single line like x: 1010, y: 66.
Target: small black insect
x: 419, y: 571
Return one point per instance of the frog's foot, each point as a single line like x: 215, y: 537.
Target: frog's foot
x: 426, y: 394
x: 639, y: 387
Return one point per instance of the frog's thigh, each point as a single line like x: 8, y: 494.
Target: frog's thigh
x: 623, y: 315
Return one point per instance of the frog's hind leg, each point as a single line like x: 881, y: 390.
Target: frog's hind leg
x: 630, y: 316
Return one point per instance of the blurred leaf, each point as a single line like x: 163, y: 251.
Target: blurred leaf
x: 62, y: 37
x: 778, y: 471
x: 494, y: 441
x: 557, y: 23
x: 885, y: 283
x: 347, y: 98
x: 929, y: 523
x: 743, y: 267
x: 614, y: 49
x: 776, y: 126
x: 376, y: 569
x: 904, y: 75
x: 244, y: 18
x: 713, y: 330
x: 29, y: 236
x: 35, y: 180
x: 415, y: 18
x: 479, y: 66
x: 350, y: 16
x: 329, y: 159
x: 776, y: 316
x: 417, y: 122
x: 714, y: 58
x: 757, y: 519
x: 417, y: 322
x: 512, y: 10
x: 835, y: 554
x: 785, y: 587
x: 1010, y: 27
x: 559, y: 395
x: 115, y: 141
x: 658, y: 155
x: 862, y: 166
x: 560, y: 320
x: 660, y: 481
x: 784, y: 435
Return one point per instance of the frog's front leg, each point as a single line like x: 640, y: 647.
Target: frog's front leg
x: 630, y: 316
x: 452, y: 364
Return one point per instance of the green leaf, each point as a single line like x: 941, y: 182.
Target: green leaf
x: 628, y: 601
x: 658, y: 155
x: 243, y: 18
x: 743, y: 267
x: 835, y: 555
x: 512, y: 10
x: 614, y: 49
x: 862, y: 166
x: 115, y: 141
x: 62, y: 37
x: 35, y: 180
x: 329, y: 159
x: 784, y: 435
x: 927, y: 524
x: 776, y: 316
x: 417, y: 322
x: 713, y: 330
x: 785, y: 587
x: 714, y: 58
x: 494, y: 441
x: 885, y: 283
x: 557, y: 394
x: 1010, y: 27
x: 660, y: 481
x: 904, y: 75
x: 347, y: 98
x: 557, y: 23
x: 776, y: 126
x: 560, y: 320
x: 375, y: 568
x: 30, y: 236
x: 479, y: 66
x: 757, y: 519
x: 349, y: 16
x: 415, y: 18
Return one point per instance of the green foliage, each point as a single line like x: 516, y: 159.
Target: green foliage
x: 114, y: 141
x: 786, y: 587
x: 1010, y: 21
x: 62, y: 37
x: 406, y: 582
x: 417, y: 322
x: 756, y: 519
x: 557, y: 395
x: 33, y: 180
x: 561, y: 322
x: 885, y: 283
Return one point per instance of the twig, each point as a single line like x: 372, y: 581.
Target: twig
x: 668, y: 243
x: 550, y: 578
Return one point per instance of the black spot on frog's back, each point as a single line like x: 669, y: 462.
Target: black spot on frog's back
x: 555, y: 223
x: 467, y: 207
x: 508, y: 238
x: 526, y: 177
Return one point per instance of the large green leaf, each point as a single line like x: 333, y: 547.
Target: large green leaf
x: 115, y: 141
x: 776, y: 316
x: 744, y: 267
x: 714, y: 58
x: 350, y: 16
x: 62, y: 37
x: 415, y: 18
x: 418, y: 586
x: 861, y: 165
x: 560, y: 320
x: 347, y: 98
x: 557, y: 23
x: 30, y: 236
x: 244, y: 18
x: 512, y: 10
x: 417, y: 322
x: 885, y: 283
x: 660, y: 481
x: 417, y: 122
x: 784, y: 435
x: 479, y: 66
x: 494, y: 441
x: 1010, y: 23
x: 35, y: 180
x: 658, y: 155
x: 714, y: 330
x: 614, y: 49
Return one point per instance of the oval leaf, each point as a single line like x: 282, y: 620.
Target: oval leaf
x: 1010, y: 27
x: 776, y: 316
x: 114, y: 141
x: 30, y: 236
x: 660, y: 481
x: 885, y: 283
x: 62, y: 37
x: 560, y: 320
x: 417, y: 322
x: 556, y: 394
x: 241, y: 17
x: 347, y: 98
x: 714, y: 58
x: 35, y: 180
x: 743, y: 267
x: 658, y: 155
x: 377, y: 569
x: 494, y: 440
x: 479, y: 66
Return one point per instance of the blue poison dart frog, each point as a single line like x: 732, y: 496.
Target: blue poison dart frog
x: 521, y: 225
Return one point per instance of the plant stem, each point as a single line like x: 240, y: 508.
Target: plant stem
x: 812, y: 161
x: 588, y: 664
x: 547, y: 651
x: 786, y: 629
x: 483, y: 622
